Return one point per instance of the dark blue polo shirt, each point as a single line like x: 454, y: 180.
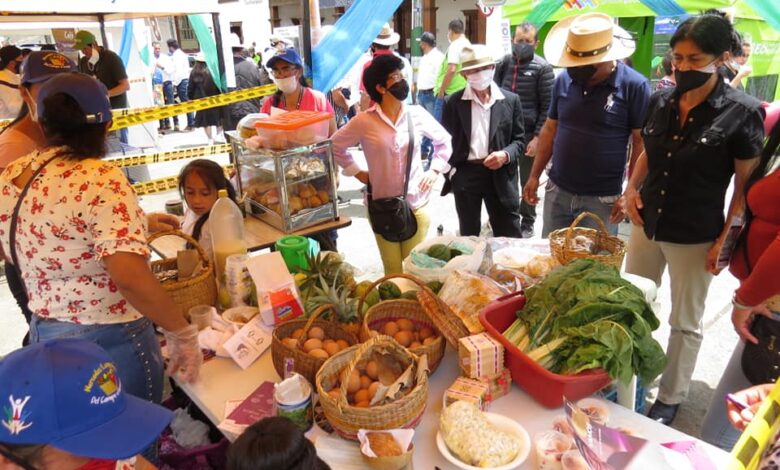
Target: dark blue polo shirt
x: 594, y: 129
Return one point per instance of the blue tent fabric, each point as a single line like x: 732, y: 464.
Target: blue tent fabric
x: 664, y: 7
x: 127, y: 42
x: 350, y: 37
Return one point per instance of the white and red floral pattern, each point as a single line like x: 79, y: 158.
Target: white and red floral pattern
x: 74, y: 214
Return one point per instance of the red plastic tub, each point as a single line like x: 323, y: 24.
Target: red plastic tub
x: 544, y: 386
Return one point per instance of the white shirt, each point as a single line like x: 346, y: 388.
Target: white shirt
x: 181, y: 66
x: 480, y: 120
x: 10, y: 98
x: 429, y: 69
x: 188, y: 225
x: 456, y: 47
x: 165, y: 64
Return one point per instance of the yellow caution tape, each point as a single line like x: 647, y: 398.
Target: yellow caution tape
x: 159, y: 157
x: 131, y: 117
x: 759, y: 434
x: 166, y: 184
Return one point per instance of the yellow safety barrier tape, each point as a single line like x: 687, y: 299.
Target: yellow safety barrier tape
x: 165, y: 184
x: 130, y: 117
x: 169, y: 156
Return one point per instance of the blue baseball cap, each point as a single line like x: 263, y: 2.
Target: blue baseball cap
x: 40, y: 66
x: 90, y: 94
x: 288, y: 55
x: 67, y: 393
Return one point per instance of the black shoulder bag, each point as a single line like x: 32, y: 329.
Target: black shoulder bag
x: 392, y: 217
x: 761, y: 362
x: 15, y: 221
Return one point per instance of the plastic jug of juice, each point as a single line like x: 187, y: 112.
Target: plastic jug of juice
x: 227, y: 238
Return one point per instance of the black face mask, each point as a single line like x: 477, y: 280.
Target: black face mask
x: 582, y: 73
x: 690, y: 79
x: 400, y: 90
x: 523, y: 51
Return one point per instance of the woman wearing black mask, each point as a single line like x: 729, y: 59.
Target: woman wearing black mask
x: 385, y: 132
x: 697, y: 136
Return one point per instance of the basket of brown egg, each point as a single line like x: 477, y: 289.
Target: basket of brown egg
x: 309, y: 342
x: 405, y: 321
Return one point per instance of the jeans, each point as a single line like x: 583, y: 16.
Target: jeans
x: 123, y: 135
x: 438, y: 108
x: 426, y: 99
x: 527, y: 211
x: 168, y: 95
x: 181, y: 90
x: 562, y: 207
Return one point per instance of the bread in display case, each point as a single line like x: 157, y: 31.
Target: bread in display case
x: 289, y: 189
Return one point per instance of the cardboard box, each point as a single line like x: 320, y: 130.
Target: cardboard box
x: 469, y: 390
x: 498, y: 384
x: 480, y: 356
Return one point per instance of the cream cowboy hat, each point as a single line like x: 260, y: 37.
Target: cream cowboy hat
x: 590, y: 38
x: 387, y: 37
x: 474, y: 57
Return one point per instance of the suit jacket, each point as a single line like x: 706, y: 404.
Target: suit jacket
x: 506, y: 133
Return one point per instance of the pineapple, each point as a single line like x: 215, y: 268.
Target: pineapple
x: 339, y: 297
x: 328, y: 267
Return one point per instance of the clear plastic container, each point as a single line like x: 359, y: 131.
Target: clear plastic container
x: 293, y: 129
x: 227, y: 238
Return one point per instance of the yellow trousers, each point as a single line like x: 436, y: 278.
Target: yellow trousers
x: 394, y: 253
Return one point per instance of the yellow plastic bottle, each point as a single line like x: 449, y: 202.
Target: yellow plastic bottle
x: 227, y: 238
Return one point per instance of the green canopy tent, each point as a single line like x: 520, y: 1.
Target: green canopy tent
x: 639, y: 20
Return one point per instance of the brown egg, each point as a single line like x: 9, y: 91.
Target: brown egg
x: 425, y: 332
x: 372, y: 390
x: 415, y: 344
x: 362, y: 404
x: 342, y: 344
x: 331, y: 348
x: 390, y: 328
x: 361, y: 395
x: 405, y: 324
x: 335, y: 393
x: 291, y: 343
x: 372, y: 370
x: 317, y: 332
x: 297, y: 333
x: 312, y: 343
x: 354, y: 382
x: 429, y: 340
x: 404, y: 338
x: 365, y: 381
x: 319, y: 353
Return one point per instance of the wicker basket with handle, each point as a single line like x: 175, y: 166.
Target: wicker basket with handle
x: 392, y: 310
x: 561, y: 243
x: 200, y: 289
x: 405, y: 412
x: 304, y: 363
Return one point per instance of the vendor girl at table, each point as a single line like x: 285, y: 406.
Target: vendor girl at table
x: 81, y: 247
x: 199, y: 184
x: 697, y: 136
x: 274, y: 443
x: 294, y: 92
x: 755, y: 263
x: 383, y: 133
x: 66, y: 409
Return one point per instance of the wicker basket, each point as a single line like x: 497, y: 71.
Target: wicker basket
x: 560, y: 243
x: 303, y: 363
x: 392, y: 310
x: 197, y: 290
x: 406, y: 412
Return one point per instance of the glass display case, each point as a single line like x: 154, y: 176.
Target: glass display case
x: 289, y: 189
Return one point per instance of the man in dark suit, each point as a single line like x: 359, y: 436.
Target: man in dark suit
x: 488, y: 138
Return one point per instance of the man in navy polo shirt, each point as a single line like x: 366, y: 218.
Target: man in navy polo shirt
x: 597, y: 110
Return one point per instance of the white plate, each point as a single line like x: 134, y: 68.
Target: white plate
x: 502, y: 423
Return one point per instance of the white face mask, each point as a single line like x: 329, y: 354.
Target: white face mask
x: 287, y: 84
x: 95, y: 57
x: 480, y: 80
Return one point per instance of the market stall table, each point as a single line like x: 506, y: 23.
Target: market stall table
x: 258, y: 234
x: 222, y: 380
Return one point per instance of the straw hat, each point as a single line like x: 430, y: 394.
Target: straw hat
x: 387, y: 37
x: 474, y: 57
x: 590, y: 38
